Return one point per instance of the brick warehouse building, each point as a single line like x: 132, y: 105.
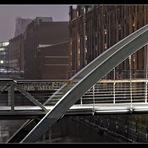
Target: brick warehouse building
x: 54, y: 61
x: 95, y: 28
x: 38, y: 33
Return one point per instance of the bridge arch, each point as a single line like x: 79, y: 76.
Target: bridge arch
x: 92, y: 73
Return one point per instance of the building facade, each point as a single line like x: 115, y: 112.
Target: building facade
x: 41, y: 34
x: 4, y: 56
x: 95, y: 28
x: 24, y: 48
x: 16, y: 53
x: 21, y: 25
x: 54, y: 61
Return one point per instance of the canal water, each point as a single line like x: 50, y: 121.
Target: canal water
x: 66, y: 130
x: 69, y: 130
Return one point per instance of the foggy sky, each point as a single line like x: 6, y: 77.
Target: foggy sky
x: 9, y: 13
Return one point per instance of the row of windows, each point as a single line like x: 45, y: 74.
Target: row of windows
x: 3, y: 44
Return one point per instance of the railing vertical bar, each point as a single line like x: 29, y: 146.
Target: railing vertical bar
x: 114, y: 85
x: 146, y: 92
x: 130, y: 67
x: 11, y: 97
x: 146, y: 74
x: 93, y: 97
x: 114, y: 92
x: 81, y: 101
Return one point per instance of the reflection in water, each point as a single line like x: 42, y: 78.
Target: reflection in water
x: 70, y: 131
x: 66, y: 130
x: 7, y: 128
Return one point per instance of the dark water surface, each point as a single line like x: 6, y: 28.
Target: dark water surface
x: 70, y: 131
x: 66, y: 130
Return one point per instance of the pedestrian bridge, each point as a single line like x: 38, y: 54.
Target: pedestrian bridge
x: 131, y: 97
x: 105, y: 97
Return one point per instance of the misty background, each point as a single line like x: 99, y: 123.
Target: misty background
x: 9, y: 13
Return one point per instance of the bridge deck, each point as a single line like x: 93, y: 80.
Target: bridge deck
x: 76, y: 109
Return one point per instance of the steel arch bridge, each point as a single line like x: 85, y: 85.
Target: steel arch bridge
x: 63, y: 99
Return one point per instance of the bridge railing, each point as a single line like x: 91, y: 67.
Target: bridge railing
x: 116, y: 92
x: 124, y: 91
x: 10, y: 86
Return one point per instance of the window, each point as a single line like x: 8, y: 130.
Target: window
x: 5, y: 43
x: 1, y: 62
x: 2, y: 49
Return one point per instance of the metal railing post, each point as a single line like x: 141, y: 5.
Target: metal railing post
x: 114, y: 92
x: 11, y: 97
x: 130, y: 67
x: 146, y: 92
x: 94, y: 98
x: 114, y: 89
x: 81, y: 101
